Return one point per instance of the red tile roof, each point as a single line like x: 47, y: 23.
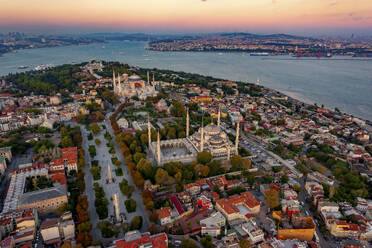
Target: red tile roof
x: 58, y: 176
x: 70, y: 155
x: 176, y: 203
x: 157, y: 240
x: 191, y: 185
x: 164, y: 212
x: 229, y: 205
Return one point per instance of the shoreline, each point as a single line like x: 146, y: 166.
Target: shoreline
x: 301, y: 99
x: 31, y: 48
x: 245, y: 76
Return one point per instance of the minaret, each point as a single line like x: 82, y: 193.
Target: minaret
x: 153, y: 82
x: 228, y: 153
x: 202, y: 137
x: 148, y: 77
x: 114, y: 80
x: 158, y: 148
x: 219, y: 116
x: 119, y: 84
x: 187, y: 123
x: 237, y: 137
x: 149, y: 130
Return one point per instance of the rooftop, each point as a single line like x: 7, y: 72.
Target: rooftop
x: 164, y: 212
x: 238, y: 203
x: 135, y: 239
x: 42, y: 195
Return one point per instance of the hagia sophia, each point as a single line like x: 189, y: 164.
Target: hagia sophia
x: 129, y: 86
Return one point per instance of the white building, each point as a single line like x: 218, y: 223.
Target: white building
x: 164, y: 215
x: 212, y: 225
x: 50, y: 231
x: 123, y: 123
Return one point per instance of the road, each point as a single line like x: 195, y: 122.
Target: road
x: 94, y: 74
x: 96, y: 233
x: 301, y: 196
x: 306, y: 208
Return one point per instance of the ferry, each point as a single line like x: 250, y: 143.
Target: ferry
x: 43, y: 67
x: 259, y: 54
x: 22, y: 67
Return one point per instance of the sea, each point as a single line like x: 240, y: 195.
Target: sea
x: 341, y: 81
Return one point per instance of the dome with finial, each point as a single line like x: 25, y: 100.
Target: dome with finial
x: 212, y: 129
x: 134, y: 77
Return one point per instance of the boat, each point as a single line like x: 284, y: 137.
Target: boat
x: 22, y: 67
x: 259, y: 54
x: 220, y: 54
x: 43, y: 67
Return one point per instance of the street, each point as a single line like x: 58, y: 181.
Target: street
x: 301, y: 197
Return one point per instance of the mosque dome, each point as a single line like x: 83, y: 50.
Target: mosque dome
x: 134, y: 77
x: 212, y: 129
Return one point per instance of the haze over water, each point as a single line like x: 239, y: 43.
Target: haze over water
x: 342, y: 82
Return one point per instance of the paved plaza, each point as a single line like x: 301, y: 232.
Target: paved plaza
x: 104, y: 159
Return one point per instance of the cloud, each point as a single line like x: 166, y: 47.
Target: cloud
x: 333, y: 3
x: 355, y: 17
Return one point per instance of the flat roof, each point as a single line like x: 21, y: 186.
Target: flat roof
x: 42, y: 195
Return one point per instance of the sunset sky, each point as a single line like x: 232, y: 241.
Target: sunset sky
x: 296, y: 16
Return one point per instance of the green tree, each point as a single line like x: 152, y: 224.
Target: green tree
x: 249, y: 177
x: 284, y: 179
x: 126, y: 189
x: 171, y: 134
x: 236, y: 162
x: 272, y: 198
x: 162, y: 177
x: 146, y: 168
x: 136, y: 223
x: 244, y: 243
x: 177, y: 109
x: 92, y: 151
x: 188, y: 243
x: 96, y: 172
x: 138, y: 156
x: 66, y: 141
x: 204, y: 157
x: 207, y: 241
x: 94, y: 127
x: 85, y: 227
x: 130, y: 205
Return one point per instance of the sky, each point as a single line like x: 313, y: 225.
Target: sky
x: 177, y: 16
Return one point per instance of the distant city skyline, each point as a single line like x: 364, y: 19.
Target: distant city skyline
x: 315, y: 17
